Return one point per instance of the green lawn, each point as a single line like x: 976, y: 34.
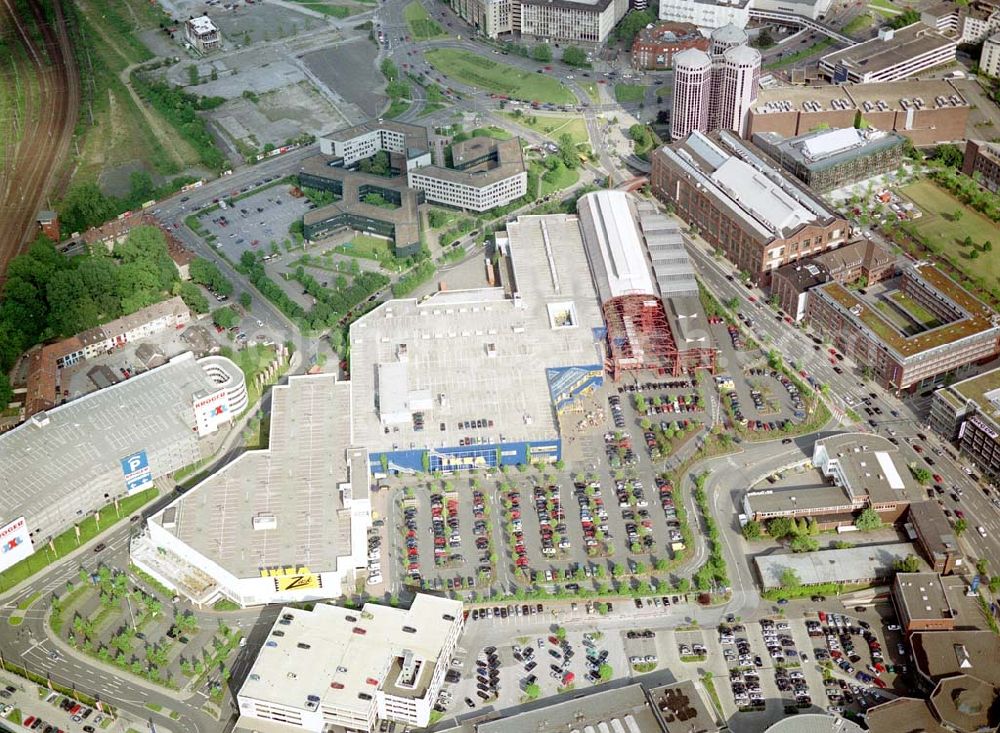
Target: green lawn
x: 805, y: 53
x: 422, y: 27
x: 555, y: 125
x: 860, y: 23
x: 625, y: 93
x: 665, y: 91
x: 369, y: 247
x: 337, y: 11
x: 66, y: 542
x: 896, y: 318
x: 484, y: 73
x: 936, y: 227
x: 563, y: 178
x: 590, y: 88
x: 920, y: 314
x: 397, y: 107
x: 492, y: 131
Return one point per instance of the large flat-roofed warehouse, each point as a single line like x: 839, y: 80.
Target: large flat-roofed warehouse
x: 853, y: 471
x: 475, y: 377
x: 646, y: 287
x: 64, y: 464
x: 910, y: 331
x: 335, y: 668
x: 742, y: 204
x: 892, y: 55
x: 926, y: 111
x: 287, y: 523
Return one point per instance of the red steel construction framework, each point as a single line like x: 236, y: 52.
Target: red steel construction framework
x: 639, y: 337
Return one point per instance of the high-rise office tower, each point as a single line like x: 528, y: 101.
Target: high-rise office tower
x: 692, y: 87
x: 715, y: 90
x: 740, y: 72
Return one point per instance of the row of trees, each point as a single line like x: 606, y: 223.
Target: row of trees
x: 85, y: 205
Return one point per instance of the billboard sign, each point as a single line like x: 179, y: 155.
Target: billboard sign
x: 137, y: 473
x: 15, y: 543
x: 298, y: 581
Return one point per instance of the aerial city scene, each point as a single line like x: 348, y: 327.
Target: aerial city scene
x: 499, y: 366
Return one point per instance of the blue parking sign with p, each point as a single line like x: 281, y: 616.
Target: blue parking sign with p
x: 136, y: 470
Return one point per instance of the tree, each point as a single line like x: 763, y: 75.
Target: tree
x: 780, y: 527
x: 981, y: 566
x: 605, y: 672
x: 909, y: 564
x: 193, y: 297
x: 389, y: 69
x: 868, y: 520
x: 789, y: 579
x: 532, y: 691
x: 987, y: 246
x: 85, y: 206
x: 974, y: 254
x: 921, y: 474
x: 573, y: 56
x: 804, y: 543
x: 948, y: 154
x: 960, y: 526
x: 567, y: 151
x: 752, y: 530
x: 683, y: 585
x: 225, y: 317
x: 246, y: 299
x: 764, y: 39
x: 542, y: 52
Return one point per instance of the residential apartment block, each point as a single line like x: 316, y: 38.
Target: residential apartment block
x: 968, y: 413
x: 44, y: 385
x: 928, y: 327
x: 340, y: 667
x: 967, y: 23
x: 983, y: 158
x: 742, y: 205
x: 866, y: 259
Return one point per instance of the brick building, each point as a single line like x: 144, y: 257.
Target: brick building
x: 968, y: 413
x: 654, y: 48
x: 932, y: 602
x: 742, y: 205
x: 983, y: 158
x: 935, y: 327
x: 935, y: 537
x: 863, y: 259
x: 925, y: 111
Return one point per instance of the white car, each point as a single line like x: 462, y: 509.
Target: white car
x: 981, y: 530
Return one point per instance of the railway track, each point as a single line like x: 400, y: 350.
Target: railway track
x: 47, y: 125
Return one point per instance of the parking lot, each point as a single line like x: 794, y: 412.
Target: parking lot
x: 257, y: 223
x: 533, y: 529
x: 20, y: 704
x: 532, y: 666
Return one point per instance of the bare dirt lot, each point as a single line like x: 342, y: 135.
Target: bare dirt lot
x: 349, y: 68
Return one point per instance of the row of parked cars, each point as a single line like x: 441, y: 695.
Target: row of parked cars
x: 617, y: 415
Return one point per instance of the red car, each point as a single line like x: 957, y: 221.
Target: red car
x: 938, y: 479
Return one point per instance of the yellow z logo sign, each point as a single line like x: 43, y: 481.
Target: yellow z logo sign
x: 297, y: 582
